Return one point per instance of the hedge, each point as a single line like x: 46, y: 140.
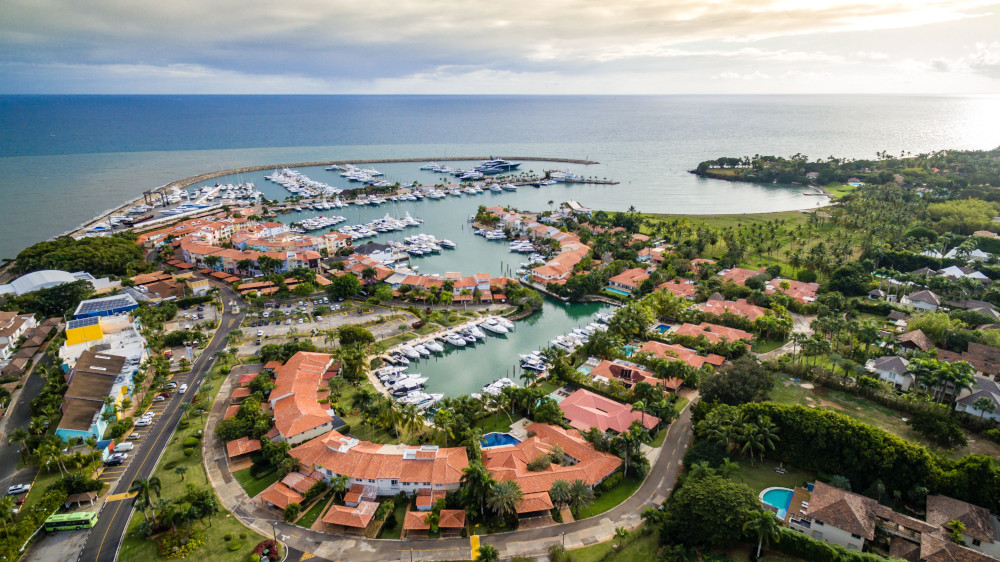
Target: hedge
x: 800, y: 545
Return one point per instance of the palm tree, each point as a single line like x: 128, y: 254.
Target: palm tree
x: 339, y: 485
x: 621, y: 535
x: 580, y: 495
x: 144, y: 489
x: 765, y: 526
x: 504, y: 498
x: 488, y: 553
x: 444, y: 420
x: 6, y: 511
x: 19, y: 435
x: 412, y: 418
x: 186, y: 408
x: 476, y: 484
x: 560, y: 493
x: 984, y: 405
x: 180, y: 470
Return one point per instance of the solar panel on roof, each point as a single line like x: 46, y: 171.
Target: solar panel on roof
x: 81, y: 322
x: 110, y: 303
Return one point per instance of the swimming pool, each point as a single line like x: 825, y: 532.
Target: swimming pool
x: 618, y: 291
x: 662, y: 328
x: 628, y: 350
x: 779, y: 498
x: 498, y: 440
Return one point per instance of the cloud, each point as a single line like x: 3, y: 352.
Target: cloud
x: 985, y: 60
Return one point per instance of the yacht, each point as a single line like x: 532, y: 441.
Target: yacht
x: 492, y: 325
x: 505, y: 323
x: 475, y: 331
x: 495, y: 387
x: 508, y: 187
x: 455, y: 340
x: 434, y: 346
x: 410, y: 353
x: 422, y: 350
x: 496, y: 166
x: 447, y: 244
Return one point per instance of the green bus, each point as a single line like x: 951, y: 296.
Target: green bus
x: 70, y: 521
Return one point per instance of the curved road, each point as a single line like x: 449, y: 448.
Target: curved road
x: 106, y: 536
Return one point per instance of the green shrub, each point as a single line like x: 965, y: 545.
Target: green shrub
x: 188, y: 451
x: 993, y: 435
x: 190, y: 442
x: 345, y: 430
x: 802, y: 546
x: 170, y: 465
x: 806, y: 276
x: 243, y: 536
x: 227, y: 537
x: 234, y: 546
x: 610, y: 482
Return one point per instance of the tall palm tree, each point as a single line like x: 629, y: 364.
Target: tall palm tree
x: 7, y: 506
x: 765, y: 526
x: 560, y: 493
x: 476, y: 484
x: 145, y: 488
x: 444, y: 420
x: 580, y: 495
x: 504, y: 498
x: 339, y: 485
x: 19, y: 435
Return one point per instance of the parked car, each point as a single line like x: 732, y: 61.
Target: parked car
x: 260, y: 333
x: 165, y: 394
x: 159, y: 399
x: 258, y: 341
x: 144, y: 422
x: 18, y: 489
x: 121, y: 456
x: 135, y: 435
x: 183, y: 388
x: 113, y: 462
x: 171, y: 385
x: 124, y: 446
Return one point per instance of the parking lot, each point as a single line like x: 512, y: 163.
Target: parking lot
x: 110, y: 474
x: 302, y: 317
x: 187, y: 317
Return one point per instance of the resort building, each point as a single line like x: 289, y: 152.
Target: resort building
x: 94, y: 377
x: 298, y: 416
x: 585, y: 409
x: 984, y: 388
x: 891, y: 369
x: 714, y: 333
x: 717, y: 306
x: 628, y: 280
x: 738, y: 275
x: 390, y: 468
x: 681, y: 353
x: 582, y: 462
x: 12, y: 327
x: 47, y: 278
x: 851, y: 520
x: 684, y: 288
x: 922, y: 300
x: 115, y: 335
x: 629, y: 374
x: 797, y: 290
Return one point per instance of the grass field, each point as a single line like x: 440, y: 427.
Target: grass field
x: 138, y: 549
x: 313, y: 514
x: 763, y: 346
x: 255, y: 485
x: 761, y: 475
x: 791, y: 218
x: 644, y: 547
x: 611, y: 498
x: 786, y: 391
x: 838, y: 190
x: 394, y: 531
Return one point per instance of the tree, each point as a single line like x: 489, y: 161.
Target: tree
x: 709, y: 511
x: 292, y: 512
x: 180, y: 471
x: 984, y: 405
x: 354, y: 335
x: 765, y: 526
x: 444, y: 420
x: 621, y: 535
x: 19, y: 435
x: 344, y: 286
x: 7, y: 507
x: 560, y: 493
x: 840, y: 481
x: 580, y: 495
x: 476, y: 485
x: 744, y: 380
x: 488, y: 553
x: 144, y: 490
x: 504, y: 498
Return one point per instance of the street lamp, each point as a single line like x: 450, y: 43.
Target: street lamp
x: 274, y: 531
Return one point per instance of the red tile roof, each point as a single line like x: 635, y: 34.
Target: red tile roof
x: 530, y: 503
x: 365, y: 460
x: 242, y: 446
x: 585, y: 409
x: 739, y: 307
x: 802, y: 292
x: 630, y: 278
x: 684, y: 288
x: 714, y: 333
x: 294, y: 397
x: 680, y: 353
x: 630, y: 374
x: 449, y: 519
x: 280, y: 495
x: 357, y: 517
x: 739, y: 275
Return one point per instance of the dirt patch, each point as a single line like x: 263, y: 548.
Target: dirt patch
x: 807, y: 385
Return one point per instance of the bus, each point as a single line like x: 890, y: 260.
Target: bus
x: 70, y: 521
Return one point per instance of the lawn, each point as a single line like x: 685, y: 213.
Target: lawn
x: 312, y: 515
x: 611, y: 498
x: 658, y: 440
x: 762, y: 475
x: 256, y: 484
x: 498, y: 422
x: 786, y: 391
x: 398, y: 339
x: 839, y: 191
x: 547, y: 386
x: 42, y: 481
x: 763, y: 346
x: 394, y: 531
x: 680, y: 404
x: 745, y: 552
x: 791, y: 218
x: 644, y: 547
x: 135, y: 548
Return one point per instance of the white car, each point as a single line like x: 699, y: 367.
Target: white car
x: 124, y: 446
x: 260, y: 333
x: 18, y: 489
x: 147, y: 416
x: 121, y: 456
x: 144, y: 422
x: 134, y: 436
x: 159, y: 399
x: 182, y: 389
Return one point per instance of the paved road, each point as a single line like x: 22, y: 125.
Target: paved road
x: 105, y: 538
x: 19, y: 417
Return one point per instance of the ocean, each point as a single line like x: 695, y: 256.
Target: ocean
x: 64, y: 159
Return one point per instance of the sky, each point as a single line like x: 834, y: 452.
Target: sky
x: 490, y: 47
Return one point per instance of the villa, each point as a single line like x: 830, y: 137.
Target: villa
x: 390, y: 468
x: 628, y: 280
x: 12, y: 327
x: 922, y: 300
x: 94, y: 377
x: 984, y: 388
x: 629, y: 374
x: 714, y: 333
x: 681, y: 353
x: 797, y: 290
x: 585, y: 409
x: 850, y: 520
x: 717, y: 306
x: 298, y: 416
x: 738, y: 275
x: 892, y: 369
x: 583, y: 462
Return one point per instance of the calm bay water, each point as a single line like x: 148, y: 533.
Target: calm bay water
x: 64, y: 159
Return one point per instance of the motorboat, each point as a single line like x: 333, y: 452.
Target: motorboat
x: 492, y: 325
x: 475, y: 331
x: 455, y: 340
x: 434, y: 346
x: 495, y: 387
x: 410, y: 353
x: 422, y: 350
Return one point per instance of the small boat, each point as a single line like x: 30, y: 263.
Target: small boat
x: 455, y: 340
x: 434, y: 346
x: 422, y: 350
x: 469, y: 338
x: 492, y: 325
x: 410, y: 353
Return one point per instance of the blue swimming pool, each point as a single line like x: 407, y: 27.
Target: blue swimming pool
x: 498, y: 440
x: 779, y: 498
x: 662, y: 328
x: 628, y: 350
x: 618, y: 291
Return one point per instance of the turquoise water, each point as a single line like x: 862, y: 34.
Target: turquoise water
x: 618, y: 291
x: 499, y: 439
x: 466, y: 370
x: 778, y: 498
x: 662, y: 328
x: 63, y: 159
